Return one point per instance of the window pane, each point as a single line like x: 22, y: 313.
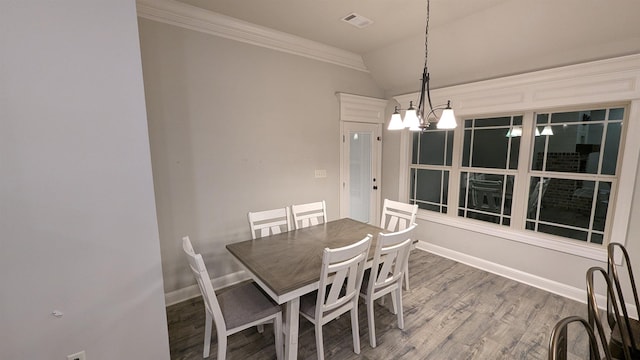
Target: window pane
x: 562, y: 231
x: 566, y: 207
x: 597, y: 238
x: 499, y: 121
x: 449, y: 147
x: 445, y: 187
x: 484, y: 195
x: 429, y: 185
x: 432, y: 147
x: 571, y: 148
x: 412, y: 186
x: 490, y: 148
x: 611, y: 146
x: 542, y: 119
x: 517, y: 120
x: 515, y: 152
x: 578, y: 116
x: 431, y: 189
x: 602, y: 205
x: 416, y: 144
x: 616, y: 114
x: 466, y: 148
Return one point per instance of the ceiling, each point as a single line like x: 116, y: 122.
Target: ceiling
x: 469, y: 40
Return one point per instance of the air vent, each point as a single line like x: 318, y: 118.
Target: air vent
x: 356, y: 20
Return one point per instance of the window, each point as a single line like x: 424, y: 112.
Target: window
x: 566, y: 173
x: 522, y: 193
x: 573, y: 172
x: 489, y: 163
x: 430, y: 168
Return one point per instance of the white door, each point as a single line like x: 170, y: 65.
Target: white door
x: 360, y: 175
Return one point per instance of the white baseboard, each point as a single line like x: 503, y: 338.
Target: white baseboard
x: 192, y: 291
x: 551, y: 286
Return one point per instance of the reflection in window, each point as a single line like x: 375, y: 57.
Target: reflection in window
x: 489, y: 143
x: 486, y: 197
x: 585, y: 144
x: 569, y: 208
x: 578, y: 141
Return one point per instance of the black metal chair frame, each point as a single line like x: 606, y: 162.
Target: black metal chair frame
x: 629, y: 323
x: 594, y: 313
x: 558, y: 341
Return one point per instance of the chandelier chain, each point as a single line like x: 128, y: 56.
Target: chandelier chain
x: 426, y: 38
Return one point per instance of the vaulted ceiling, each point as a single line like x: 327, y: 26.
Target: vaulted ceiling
x: 469, y: 40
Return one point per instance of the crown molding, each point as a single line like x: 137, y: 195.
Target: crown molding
x: 191, y: 17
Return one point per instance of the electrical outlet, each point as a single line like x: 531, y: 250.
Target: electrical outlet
x: 321, y: 173
x: 77, y: 356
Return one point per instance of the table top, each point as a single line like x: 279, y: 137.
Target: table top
x: 292, y: 260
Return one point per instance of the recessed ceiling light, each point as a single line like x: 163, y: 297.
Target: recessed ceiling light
x: 356, y: 20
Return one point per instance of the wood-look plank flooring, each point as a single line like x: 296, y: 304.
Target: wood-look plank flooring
x: 453, y: 311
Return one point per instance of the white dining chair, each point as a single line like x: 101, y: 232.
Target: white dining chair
x: 339, y: 285
x: 398, y: 216
x: 269, y: 222
x: 386, y: 274
x: 234, y: 310
x: 305, y: 215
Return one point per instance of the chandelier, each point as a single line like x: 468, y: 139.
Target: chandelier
x: 420, y: 119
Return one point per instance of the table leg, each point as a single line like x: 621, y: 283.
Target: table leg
x: 292, y: 321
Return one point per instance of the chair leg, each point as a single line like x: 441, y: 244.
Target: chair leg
x: 398, y: 296
x: 319, y: 343
x: 406, y: 276
x: 277, y: 331
x: 394, y: 303
x: 371, y: 321
x: 355, y: 329
x: 207, y: 334
x: 222, y: 348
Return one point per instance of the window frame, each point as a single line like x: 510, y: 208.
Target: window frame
x: 605, y: 83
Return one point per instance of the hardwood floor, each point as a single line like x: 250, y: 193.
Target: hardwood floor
x: 453, y: 311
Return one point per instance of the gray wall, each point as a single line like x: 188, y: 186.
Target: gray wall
x: 235, y: 128
x: 77, y: 215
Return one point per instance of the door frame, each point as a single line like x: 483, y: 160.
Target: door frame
x: 360, y: 109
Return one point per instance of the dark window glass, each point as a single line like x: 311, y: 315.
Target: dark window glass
x: 567, y: 207
x: 486, y: 197
x: 490, y: 148
x: 432, y: 148
x: 611, y: 148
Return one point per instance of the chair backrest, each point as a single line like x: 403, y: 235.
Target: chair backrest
x: 341, y: 277
x: 397, y: 215
x: 486, y: 194
x: 558, y: 342
x: 196, y: 264
x: 594, y: 314
x: 536, y: 195
x: 389, y: 259
x: 305, y: 215
x: 613, y: 273
x: 269, y: 222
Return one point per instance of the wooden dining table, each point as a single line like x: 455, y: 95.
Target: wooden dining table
x: 287, y: 265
